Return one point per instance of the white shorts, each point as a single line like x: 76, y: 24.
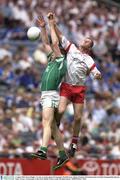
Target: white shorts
x: 50, y: 99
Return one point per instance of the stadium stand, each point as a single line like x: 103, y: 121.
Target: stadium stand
x: 20, y: 74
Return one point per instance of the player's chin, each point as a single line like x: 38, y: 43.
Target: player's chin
x: 83, y: 46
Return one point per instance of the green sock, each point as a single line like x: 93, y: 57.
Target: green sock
x: 62, y: 153
x: 43, y: 149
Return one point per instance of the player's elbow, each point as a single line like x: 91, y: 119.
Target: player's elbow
x: 60, y: 36
x: 55, y: 44
x: 46, y: 47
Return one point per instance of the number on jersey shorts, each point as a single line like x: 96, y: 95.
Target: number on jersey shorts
x: 50, y: 99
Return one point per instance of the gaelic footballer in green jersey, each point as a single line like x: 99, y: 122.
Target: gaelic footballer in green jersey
x: 51, y: 79
x: 53, y: 74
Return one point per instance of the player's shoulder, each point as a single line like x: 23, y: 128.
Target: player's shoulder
x: 88, y: 57
x: 73, y: 48
x: 88, y: 60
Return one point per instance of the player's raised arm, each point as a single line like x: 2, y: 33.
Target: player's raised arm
x: 44, y: 35
x: 65, y: 43
x: 58, y: 32
x: 54, y: 38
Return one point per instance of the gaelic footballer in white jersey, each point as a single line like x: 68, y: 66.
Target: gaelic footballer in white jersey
x: 79, y: 64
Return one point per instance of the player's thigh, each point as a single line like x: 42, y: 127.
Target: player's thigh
x: 62, y: 104
x: 78, y: 110
x: 65, y: 97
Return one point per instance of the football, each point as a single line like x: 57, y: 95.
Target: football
x: 33, y: 33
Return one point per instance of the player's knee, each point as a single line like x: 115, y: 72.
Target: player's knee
x: 77, y: 117
x: 61, y: 109
x: 46, y: 122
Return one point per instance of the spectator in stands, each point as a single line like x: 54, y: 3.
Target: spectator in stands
x: 20, y: 75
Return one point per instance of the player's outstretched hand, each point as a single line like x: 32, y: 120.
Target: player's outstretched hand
x: 40, y: 21
x: 98, y: 76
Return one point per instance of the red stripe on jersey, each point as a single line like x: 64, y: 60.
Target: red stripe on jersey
x: 67, y: 49
x: 92, y: 67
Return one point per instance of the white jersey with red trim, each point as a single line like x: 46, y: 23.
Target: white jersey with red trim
x: 79, y: 65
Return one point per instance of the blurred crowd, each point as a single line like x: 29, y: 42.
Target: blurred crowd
x: 20, y: 75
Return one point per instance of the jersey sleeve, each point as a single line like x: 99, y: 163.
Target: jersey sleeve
x: 65, y: 43
x: 92, y: 69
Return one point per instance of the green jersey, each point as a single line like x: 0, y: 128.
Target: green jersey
x: 53, y: 73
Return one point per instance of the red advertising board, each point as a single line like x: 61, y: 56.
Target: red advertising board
x: 24, y: 167
x: 97, y: 167
x: 44, y: 167
x: 101, y: 167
